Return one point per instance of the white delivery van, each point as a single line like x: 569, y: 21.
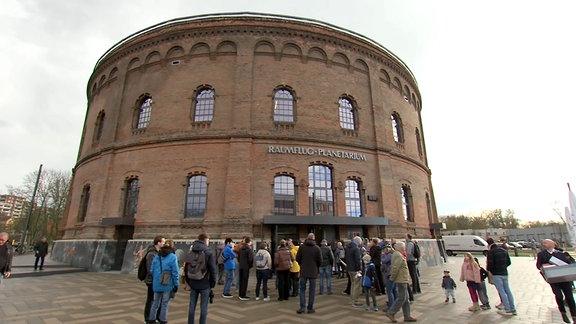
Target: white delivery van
x: 464, y: 243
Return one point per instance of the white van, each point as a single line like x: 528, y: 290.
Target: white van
x: 464, y: 243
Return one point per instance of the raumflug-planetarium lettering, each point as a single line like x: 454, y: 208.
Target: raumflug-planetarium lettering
x: 279, y: 149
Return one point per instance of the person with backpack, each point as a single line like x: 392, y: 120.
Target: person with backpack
x: 263, y: 266
x: 245, y: 263
x: 369, y: 282
x: 144, y: 274
x: 200, y: 274
x: 412, y: 256
x: 165, y: 281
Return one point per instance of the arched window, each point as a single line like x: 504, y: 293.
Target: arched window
x: 283, y: 105
x: 353, y: 199
x: 407, y: 203
x: 397, y: 130
x: 196, y: 196
x: 131, y: 197
x: 284, y: 196
x: 418, y: 142
x: 320, y: 190
x: 99, y: 126
x: 346, y: 112
x: 84, y: 200
x: 204, y: 108
x: 144, y: 113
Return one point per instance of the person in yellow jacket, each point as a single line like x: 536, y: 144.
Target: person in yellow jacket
x: 401, y: 276
x: 295, y: 269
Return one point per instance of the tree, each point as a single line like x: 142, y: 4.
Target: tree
x: 49, y: 204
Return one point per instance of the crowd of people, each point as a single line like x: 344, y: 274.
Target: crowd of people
x: 372, y: 267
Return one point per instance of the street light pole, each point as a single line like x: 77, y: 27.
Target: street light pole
x: 25, y: 234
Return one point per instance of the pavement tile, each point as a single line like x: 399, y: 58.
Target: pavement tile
x: 54, y: 297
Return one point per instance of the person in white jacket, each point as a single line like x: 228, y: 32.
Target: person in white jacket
x: 263, y: 262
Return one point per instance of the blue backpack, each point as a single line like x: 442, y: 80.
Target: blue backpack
x: 366, y: 280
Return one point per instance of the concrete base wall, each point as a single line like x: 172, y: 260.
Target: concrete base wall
x: 100, y: 255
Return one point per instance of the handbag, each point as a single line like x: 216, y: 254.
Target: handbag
x: 165, y: 275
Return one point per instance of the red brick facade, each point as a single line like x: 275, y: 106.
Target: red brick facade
x: 243, y: 59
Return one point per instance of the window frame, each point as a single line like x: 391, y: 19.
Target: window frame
x: 397, y: 128
x: 348, y: 200
x: 131, y: 195
x: 280, y: 104
x: 204, y: 104
x: 201, y: 198
x: 347, y: 114
x: 327, y: 191
x: 143, y: 113
x: 407, y: 203
x: 284, y: 193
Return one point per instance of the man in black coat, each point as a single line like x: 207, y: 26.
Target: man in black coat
x: 309, y: 257
x: 245, y: 263
x: 497, y: 262
x: 201, y: 289
x: 562, y: 290
x: 6, y: 255
x: 376, y: 256
x: 40, y: 252
x: 354, y: 268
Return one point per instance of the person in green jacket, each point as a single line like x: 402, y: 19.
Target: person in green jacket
x: 401, y: 276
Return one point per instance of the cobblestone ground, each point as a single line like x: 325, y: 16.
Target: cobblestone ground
x: 83, y: 297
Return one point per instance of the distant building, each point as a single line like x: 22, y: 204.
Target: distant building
x: 557, y: 233
x: 12, y: 206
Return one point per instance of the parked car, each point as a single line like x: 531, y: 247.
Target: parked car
x: 464, y: 243
x: 516, y: 245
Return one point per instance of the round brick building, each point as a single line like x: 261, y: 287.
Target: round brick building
x: 249, y: 125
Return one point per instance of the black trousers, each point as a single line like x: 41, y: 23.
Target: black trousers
x: 381, y: 285
x: 41, y: 259
x: 283, y: 284
x: 243, y: 274
x: 295, y: 279
x: 414, y: 276
x: 563, y: 290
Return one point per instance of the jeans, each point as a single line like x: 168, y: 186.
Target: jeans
x: 262, y: 279
x: 449, y: 293
x: 311, y: 293
x: 401, y: 301
x: 483, y: 294
x: 390, y: 291
x: 326, y: 273
x: 161, y: 300
x: 370, y: 292
x: 204, y: 297
x: 501, y: 283
x: 228, y: 282
x: 148, y: 305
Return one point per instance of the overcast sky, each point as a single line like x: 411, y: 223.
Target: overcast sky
x: 495, y: 77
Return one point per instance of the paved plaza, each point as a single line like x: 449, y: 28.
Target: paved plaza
x: 63, y: 295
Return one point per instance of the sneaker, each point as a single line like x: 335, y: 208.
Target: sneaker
x: 227, y: 295
x: 513, y: 312
x: 410, y: 319
x: 311, y: 311
x: 391, y: 318
x: 244, y: 298
x: 367, y: 308
x: 453, y: 300
x: 257, y: 298
x: 300, y: 311
x: 499, y: 306
x: 376, y: 308
x: 504, y: 313
x: 267, y: 298
x: 446, y: 300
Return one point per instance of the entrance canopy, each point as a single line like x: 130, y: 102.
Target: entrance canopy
x: 324, y: 220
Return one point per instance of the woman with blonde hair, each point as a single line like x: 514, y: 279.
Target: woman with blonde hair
x: 471, y: 274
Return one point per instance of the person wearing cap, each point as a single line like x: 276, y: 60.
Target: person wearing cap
x: 497, y: 262
x: 309, y: 257
x: 448, y: 285
x: 326, y: 267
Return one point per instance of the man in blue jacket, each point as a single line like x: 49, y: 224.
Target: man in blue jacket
x: 203, y: 287
x: 229, y: 266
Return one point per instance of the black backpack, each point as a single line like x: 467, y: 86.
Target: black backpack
x: 142, y: 271
x: 196, y: 265
x: 416, y: 251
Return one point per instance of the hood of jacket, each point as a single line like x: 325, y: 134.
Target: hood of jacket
x: 165, y: 250
x: 198, y: 246
x: 309, y: 242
